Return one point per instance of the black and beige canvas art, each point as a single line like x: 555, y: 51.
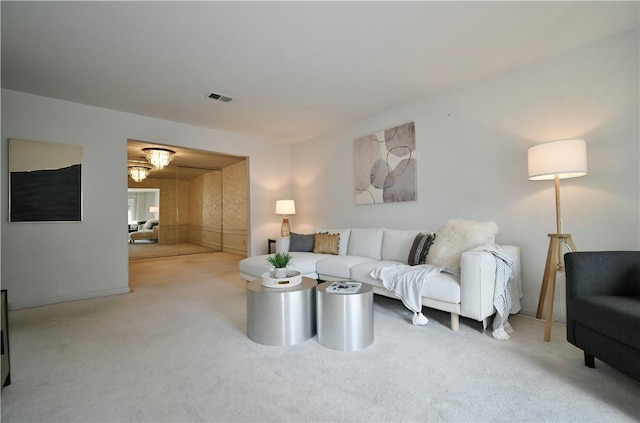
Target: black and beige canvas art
x: 46, y: 182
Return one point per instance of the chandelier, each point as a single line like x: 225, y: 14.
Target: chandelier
x: 138, y: 172
x: 159, y: 157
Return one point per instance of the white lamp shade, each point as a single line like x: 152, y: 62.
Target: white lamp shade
x: 285, y: 207
x: 154, y: 209
x: 564, y: 159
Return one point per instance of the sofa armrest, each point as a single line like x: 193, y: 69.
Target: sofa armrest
x: 603, y: 273
x: 477, y: 281
x: 282, y: 245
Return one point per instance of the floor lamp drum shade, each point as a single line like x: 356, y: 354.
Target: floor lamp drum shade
x: 557, y: 160
x: 285, y: 208
x: 564, y: 159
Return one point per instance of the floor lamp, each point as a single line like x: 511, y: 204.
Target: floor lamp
x: 285, y: 208
x: 555, y: 160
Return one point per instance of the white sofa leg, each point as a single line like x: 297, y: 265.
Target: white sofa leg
x: 455, y: 322
x: 485, y: 323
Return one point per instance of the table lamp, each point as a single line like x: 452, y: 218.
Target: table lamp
x: 285, y: 208
x: 555, y: 160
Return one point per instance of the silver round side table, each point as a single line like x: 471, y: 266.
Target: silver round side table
x: 345, y: 320
x: 281, y: 316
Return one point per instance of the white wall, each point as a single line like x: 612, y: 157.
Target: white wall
x: 472, y: 158
x: 51, y: 262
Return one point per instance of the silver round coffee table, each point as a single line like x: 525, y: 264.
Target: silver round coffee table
x: 345, y: 320
x: 281, y: 316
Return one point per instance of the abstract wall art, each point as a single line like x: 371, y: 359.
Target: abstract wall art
x: 385, y: 166
x: 45, y: 182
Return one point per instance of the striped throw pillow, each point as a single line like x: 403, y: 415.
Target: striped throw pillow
x: 420, y: 248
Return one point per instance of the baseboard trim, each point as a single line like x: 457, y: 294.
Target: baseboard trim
x: 236, y: 251
x: 64, y: 298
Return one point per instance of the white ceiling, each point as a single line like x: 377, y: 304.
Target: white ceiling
x: 295, y: 69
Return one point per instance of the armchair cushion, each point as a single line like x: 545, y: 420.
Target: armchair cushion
x: 617, y: 317
x: 603, y: 307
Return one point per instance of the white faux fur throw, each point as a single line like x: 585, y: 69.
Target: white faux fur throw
x: 457, y: 236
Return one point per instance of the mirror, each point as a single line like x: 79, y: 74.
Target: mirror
x: 189, y: 201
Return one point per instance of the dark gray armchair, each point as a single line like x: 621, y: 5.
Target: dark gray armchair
x: 603, y: 307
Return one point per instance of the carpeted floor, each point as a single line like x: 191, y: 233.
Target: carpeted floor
x: 176, y: 349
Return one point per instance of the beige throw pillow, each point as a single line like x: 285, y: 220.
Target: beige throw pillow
x: 325, y: 243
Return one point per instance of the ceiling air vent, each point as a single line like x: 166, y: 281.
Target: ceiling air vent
x: 220, y: 97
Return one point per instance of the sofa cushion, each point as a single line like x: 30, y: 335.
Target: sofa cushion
x: 366, y: 243
x: 457, y: 236
x: 344, y: 238
x: 420, y: 248
x: 303, y: 262
x: 360, y: 272
x: 325, y: 243
x: 613, y: 316
x: 300, y: 242
x: 339, y: 266
x: 441, y: 287
x: 396, y: 244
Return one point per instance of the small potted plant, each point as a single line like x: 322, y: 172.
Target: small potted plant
x: 280, y: 262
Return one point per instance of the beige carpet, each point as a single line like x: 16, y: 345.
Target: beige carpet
x: 176, y: 350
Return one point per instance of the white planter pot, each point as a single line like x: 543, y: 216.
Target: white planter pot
x: 280, y: 273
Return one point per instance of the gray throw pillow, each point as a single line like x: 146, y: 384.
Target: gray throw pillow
x: 300, y: 242
x: 420, y: 248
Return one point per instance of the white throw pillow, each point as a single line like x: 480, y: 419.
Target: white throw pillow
x: 457, y: 236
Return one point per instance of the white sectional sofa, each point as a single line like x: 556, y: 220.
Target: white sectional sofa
x: 466, y: 291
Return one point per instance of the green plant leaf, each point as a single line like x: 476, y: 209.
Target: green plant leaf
x: 279, y: 260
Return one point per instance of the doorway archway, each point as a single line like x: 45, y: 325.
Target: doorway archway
x: 203, y: 202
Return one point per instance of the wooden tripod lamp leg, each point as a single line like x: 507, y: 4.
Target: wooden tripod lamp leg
x: 543, y: 289
x: 551, y: 287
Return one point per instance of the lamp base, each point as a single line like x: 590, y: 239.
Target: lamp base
x: 555, y: 263
x: 285, y: 229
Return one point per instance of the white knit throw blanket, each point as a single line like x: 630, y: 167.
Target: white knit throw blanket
x: 406, y: 283
x: 506, y: 298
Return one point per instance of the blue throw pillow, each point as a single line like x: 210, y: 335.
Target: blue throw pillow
x: 300, y: 242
